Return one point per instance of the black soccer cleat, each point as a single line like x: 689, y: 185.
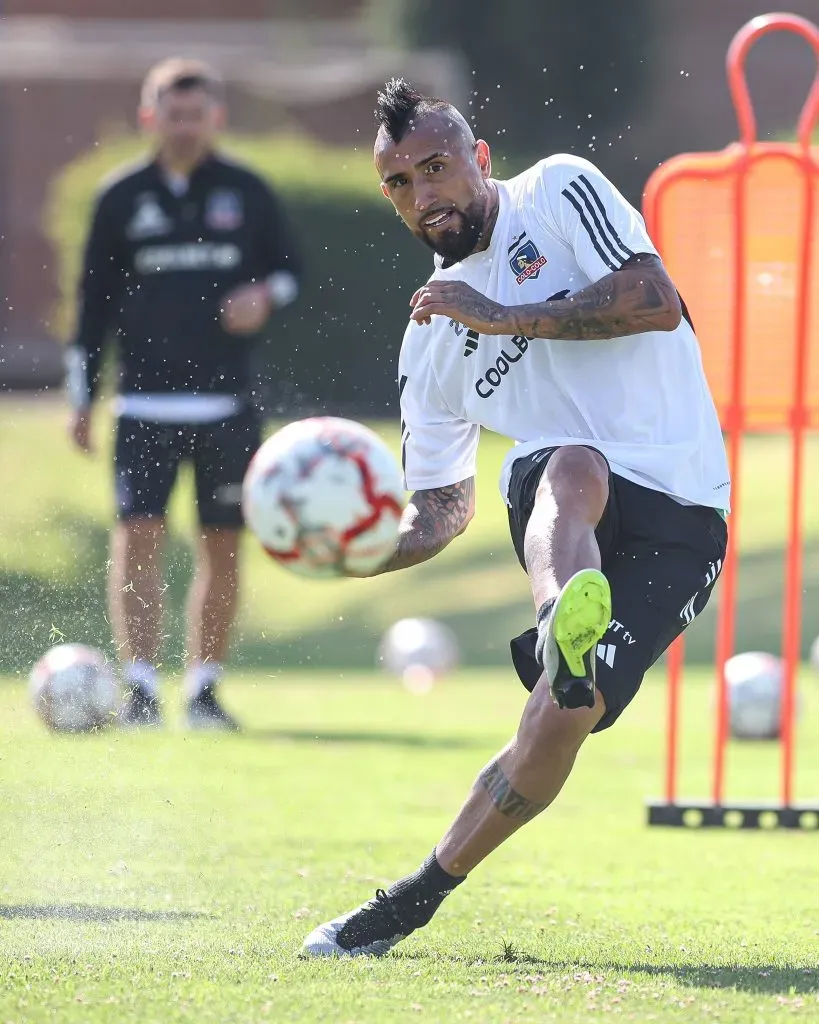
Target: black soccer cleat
x: 566, y: 648
x: 205, y: 712
x: 140, y: 709
x: 370, y: 930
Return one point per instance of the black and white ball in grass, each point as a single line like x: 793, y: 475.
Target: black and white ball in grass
x: 419, y: 651
x: 755, y: 681
x: 73, y: 689
x: 324, y: 497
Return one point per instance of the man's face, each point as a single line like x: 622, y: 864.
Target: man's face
x: 185, y: 122
x: 435, y: 178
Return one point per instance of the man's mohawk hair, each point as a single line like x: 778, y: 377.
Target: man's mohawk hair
x: 397, y: 105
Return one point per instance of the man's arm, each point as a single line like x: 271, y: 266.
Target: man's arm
x: 638, y: 297
x: 100, y: 293
x: 99, y: 297
x: 247, y: 307
x: 431, y: 520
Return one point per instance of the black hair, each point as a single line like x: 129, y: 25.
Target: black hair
x: 182, y: 75
x: 399, y: 103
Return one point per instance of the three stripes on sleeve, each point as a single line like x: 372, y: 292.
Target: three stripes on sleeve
x: 608, y: 244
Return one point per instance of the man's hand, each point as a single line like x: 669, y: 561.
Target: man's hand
x: 79, y: 430
x: 459, y: 301
x: 245, y: 309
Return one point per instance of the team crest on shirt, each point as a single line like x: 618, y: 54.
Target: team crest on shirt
x: 526, y: 262
x: 223, y: 210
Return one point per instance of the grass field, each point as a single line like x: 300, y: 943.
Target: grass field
x: 55, y: 515
x: 171, y: 877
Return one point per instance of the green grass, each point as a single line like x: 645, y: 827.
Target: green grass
x: 171, y: 877
x: 53, y: 554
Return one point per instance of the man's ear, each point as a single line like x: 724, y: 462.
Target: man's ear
x: 146, y: 118
x: 484, y: 158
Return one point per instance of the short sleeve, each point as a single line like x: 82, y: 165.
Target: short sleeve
x: 587, y: 212
x: 437, y: 448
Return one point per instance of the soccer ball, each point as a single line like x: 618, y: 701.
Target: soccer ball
x: 73, y: 689
x: 419, y: 652
x: 324, y: 497
x: 754, y: 680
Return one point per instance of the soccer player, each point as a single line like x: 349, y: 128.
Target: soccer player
x: 549, y: 318
x: 188, y: 256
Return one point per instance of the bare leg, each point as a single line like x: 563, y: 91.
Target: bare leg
x: 135, y: 588
x: 571, y: 497
x: 520, y: 782
x: 529, y: 772
x: 527, y: 775
x: 213, y: 595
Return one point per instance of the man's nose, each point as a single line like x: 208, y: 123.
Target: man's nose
x: 424, y: 197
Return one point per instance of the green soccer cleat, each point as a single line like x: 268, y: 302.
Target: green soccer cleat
x: 566, y: 648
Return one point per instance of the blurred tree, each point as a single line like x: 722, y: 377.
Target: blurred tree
x: 546, y: 76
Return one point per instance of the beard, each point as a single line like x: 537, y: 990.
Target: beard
x: 461, y: 238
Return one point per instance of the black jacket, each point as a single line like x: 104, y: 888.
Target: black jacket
x: 157, y: 268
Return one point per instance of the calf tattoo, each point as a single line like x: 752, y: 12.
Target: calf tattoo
x: 506, y: 800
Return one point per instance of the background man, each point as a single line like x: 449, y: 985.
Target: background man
x: 187, y: 257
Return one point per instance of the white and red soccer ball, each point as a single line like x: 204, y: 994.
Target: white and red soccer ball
x: 324, y: 497
x: 73, y: 689
x: 756, y: 681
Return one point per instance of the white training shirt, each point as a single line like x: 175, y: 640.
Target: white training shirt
x: 642, y: 400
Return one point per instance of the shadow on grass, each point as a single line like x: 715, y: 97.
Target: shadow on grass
x: 72, y: 597
x: 86, y: 912
x: 390, y: 739
x: 761, y: 979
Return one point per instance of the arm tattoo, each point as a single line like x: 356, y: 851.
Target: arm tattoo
x: 431, y: 520
x: 506, y: 800
x: 479, y: 307
x: 638, y: 297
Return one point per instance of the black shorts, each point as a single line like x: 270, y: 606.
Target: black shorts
x: 661, y: 559
x: 147, y: 456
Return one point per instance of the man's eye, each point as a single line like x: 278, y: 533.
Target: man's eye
x: 398, y: 182
x: 432, y: 168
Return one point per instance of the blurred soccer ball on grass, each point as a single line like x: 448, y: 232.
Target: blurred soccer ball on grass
x: 420, y: 652
x: 73, y: 689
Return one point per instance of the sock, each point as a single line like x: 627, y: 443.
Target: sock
x: 544, y: 614
x: 200, y: 675
x: 420, y: 894
x: 141, y: 674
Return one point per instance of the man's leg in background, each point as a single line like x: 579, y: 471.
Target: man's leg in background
x: 146, y: 461
x: 211, y: 612
x: 222, y: 452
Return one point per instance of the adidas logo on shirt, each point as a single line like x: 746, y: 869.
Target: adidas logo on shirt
x: 471, y: 343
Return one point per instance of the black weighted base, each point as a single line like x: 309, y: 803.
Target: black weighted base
x: 696, y: 814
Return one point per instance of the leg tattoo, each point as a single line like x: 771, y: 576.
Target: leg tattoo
x: 507, y: 800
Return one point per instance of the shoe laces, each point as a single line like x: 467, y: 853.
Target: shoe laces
x: 376, y: 920
x: 382, y: 902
